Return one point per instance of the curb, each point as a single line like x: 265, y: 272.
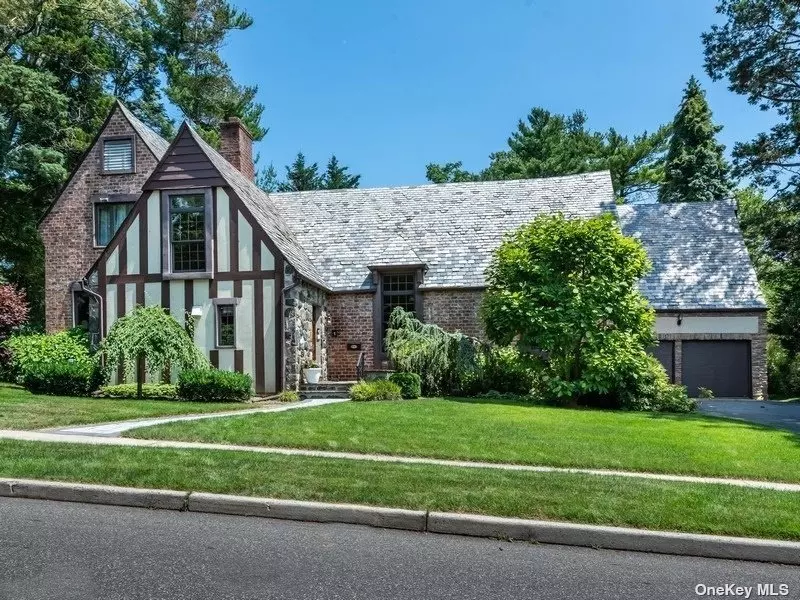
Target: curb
x: 543, y: 532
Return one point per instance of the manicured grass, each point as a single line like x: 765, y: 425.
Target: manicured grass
x: 19, y: 409
x: 516, y: 433
x: 716, y: 509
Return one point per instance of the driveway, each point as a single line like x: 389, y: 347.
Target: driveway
x: 785, y: 415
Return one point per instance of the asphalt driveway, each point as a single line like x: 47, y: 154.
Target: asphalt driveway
x: 785, y: 415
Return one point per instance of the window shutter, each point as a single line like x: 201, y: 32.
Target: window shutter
x: 118, y: 155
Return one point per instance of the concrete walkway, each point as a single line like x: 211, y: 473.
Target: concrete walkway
x: 115, y: 429
x: 99, y: 440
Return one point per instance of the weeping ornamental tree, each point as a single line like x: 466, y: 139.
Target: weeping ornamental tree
x: 149, y: 336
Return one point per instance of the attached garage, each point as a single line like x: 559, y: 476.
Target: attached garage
x: 723, y: 366
x: 665, y: 353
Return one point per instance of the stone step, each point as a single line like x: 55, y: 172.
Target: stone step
x: 328, y: 385
x: 324, y: 393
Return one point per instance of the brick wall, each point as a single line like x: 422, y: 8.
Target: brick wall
x: 454, y: 310
x: 758, y: 346
x: 350, y: 319
x: 67, y: 231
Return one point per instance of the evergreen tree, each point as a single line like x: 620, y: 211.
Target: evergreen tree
x: 695, y: 170
x: 267, y: 179
x: 301, y: 177
x: 336, y: 176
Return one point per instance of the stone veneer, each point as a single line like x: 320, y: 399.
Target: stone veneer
x: 758, y: 346
x: 298, y: 319
x: 67, y: 231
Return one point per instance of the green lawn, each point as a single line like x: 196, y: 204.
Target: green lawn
x: 716, y: 509
x: 19, y: 409
x: 511, y: 432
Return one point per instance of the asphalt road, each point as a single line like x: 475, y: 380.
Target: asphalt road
x: 785, y: 415
x: 77, y: 551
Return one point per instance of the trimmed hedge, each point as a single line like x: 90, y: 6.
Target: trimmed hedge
x: 211, y: 385
x: 158, y: 391
x: 62, y: 378
x: 381, y: 389
x: 410, y: 384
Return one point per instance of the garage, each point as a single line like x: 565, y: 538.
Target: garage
x: 665, y: 353
x: 723, y: 366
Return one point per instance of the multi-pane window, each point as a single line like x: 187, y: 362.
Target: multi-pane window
x: 118, y: 156
x: 187, y: 217
x: 108, y: 218
x: 226, y: 325
x: 397, y: 289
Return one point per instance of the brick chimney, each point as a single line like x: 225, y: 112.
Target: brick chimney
x: 236, y: 146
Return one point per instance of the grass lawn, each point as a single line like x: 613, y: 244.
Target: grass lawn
x: 716, y: 509
x: 19, y: 409
x: 516, y: 433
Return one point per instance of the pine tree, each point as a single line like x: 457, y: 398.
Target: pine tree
x: 301, y: 177
x: 267, y: 179
x: 337, y: 178
x: 696, y: 170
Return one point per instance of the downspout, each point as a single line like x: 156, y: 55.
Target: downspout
x: 84, y: 288
x: 283, y: 328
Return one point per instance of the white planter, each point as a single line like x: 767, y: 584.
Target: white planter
x: 312, y: 375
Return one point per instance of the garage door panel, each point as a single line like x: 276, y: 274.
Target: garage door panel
x: 665, y: 353
x: 723, y: 366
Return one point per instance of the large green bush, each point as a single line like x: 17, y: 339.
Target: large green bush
x: 211, y: 385
x: 783, y: 370
x: 410, y: 384
x: 62, y: 378
x: 380, y: 389
x: 647, y: 387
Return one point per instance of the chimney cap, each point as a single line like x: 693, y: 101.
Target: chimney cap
x: 235, y: 122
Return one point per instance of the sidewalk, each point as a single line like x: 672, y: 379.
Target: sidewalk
x: 74, y: 437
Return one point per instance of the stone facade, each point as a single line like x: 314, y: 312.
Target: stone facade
x: 68, y: 230
x: 758, y: 347
x: 454, y: 310
x: 305, y: 319
x: 350, y: 322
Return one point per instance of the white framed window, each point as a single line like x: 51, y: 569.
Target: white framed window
x: 187, y: 233
x: 118, y: 155
x: 225, y: 322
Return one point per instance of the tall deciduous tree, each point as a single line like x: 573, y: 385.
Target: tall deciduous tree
x: 695, y: 169
x: 336, y: 176
x: 547, y: 144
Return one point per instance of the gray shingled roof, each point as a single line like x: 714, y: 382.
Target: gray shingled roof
x: 451, y: 228
x: 264, y: 212
x: 158, y: 145
x: 699, y: 258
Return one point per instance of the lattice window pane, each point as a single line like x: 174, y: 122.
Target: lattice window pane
x: 398, y: 290
x: 188, y: 232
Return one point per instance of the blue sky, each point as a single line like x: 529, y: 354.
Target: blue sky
x: 390, y: 85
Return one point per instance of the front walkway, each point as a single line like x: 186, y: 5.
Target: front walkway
x: 785, y: 415
x: 101, y: 440
x: 115, y: 429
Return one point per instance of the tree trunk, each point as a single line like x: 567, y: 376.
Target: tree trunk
x: 139, y: 375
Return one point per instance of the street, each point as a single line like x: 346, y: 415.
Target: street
x: 78, y: 551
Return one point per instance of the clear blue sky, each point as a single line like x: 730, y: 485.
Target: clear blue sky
x: 390, y: 85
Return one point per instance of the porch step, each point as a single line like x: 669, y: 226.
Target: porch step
x: 326, y: 389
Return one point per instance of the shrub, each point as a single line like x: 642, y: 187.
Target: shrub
x: 705, y: 393
x: 366, y: 391
x: 13, y: 314
x: 410, y: 384
x: 783, y: 370
x: 159, y: 391
x: 211, y: 385
x: 645, y: 386
x: 507, y: 371
x: 61, y: 378
x: 288, y: 396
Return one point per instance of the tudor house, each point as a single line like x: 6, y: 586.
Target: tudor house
x: 274, y: 281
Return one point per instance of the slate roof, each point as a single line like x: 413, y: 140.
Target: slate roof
x: 271, y: 221
x: 451, y: 228
x: 699, y: 258
x: 157, y: 145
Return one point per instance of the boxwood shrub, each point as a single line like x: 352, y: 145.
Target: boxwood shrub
x: 62, y: 378
x: 211, y: 385
x: 410, y: 384
x: 158, y: 391
x: 382, y: 389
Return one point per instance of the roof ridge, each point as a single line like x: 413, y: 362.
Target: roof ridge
x: 157, y: 144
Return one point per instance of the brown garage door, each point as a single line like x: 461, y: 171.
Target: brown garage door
x: 721, y: 366
x: 665, y: 353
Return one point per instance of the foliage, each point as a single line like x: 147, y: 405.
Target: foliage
x: 76, y: 378
x: 336, y: 176
x: 152, y: 335
x: 783, y: 370
x: 13, y: 313
x: 443, y: 360
x: 505, y: 370
x: 162, y: 391
x: 288, y: 396
x: 564, y: 292
x: 211, y: 385
x: 301, y: 177
x: 380, y: 389
x: 267, y: 179
x: 705, y: 393
x: 410, y: 384
x: 695, y: 169
x: 33, y: 350
x: 646, y: 388
x: 548, y: 144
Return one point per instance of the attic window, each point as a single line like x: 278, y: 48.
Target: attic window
x: 118, y: 155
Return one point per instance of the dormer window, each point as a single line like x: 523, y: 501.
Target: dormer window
x: 118, y: 155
